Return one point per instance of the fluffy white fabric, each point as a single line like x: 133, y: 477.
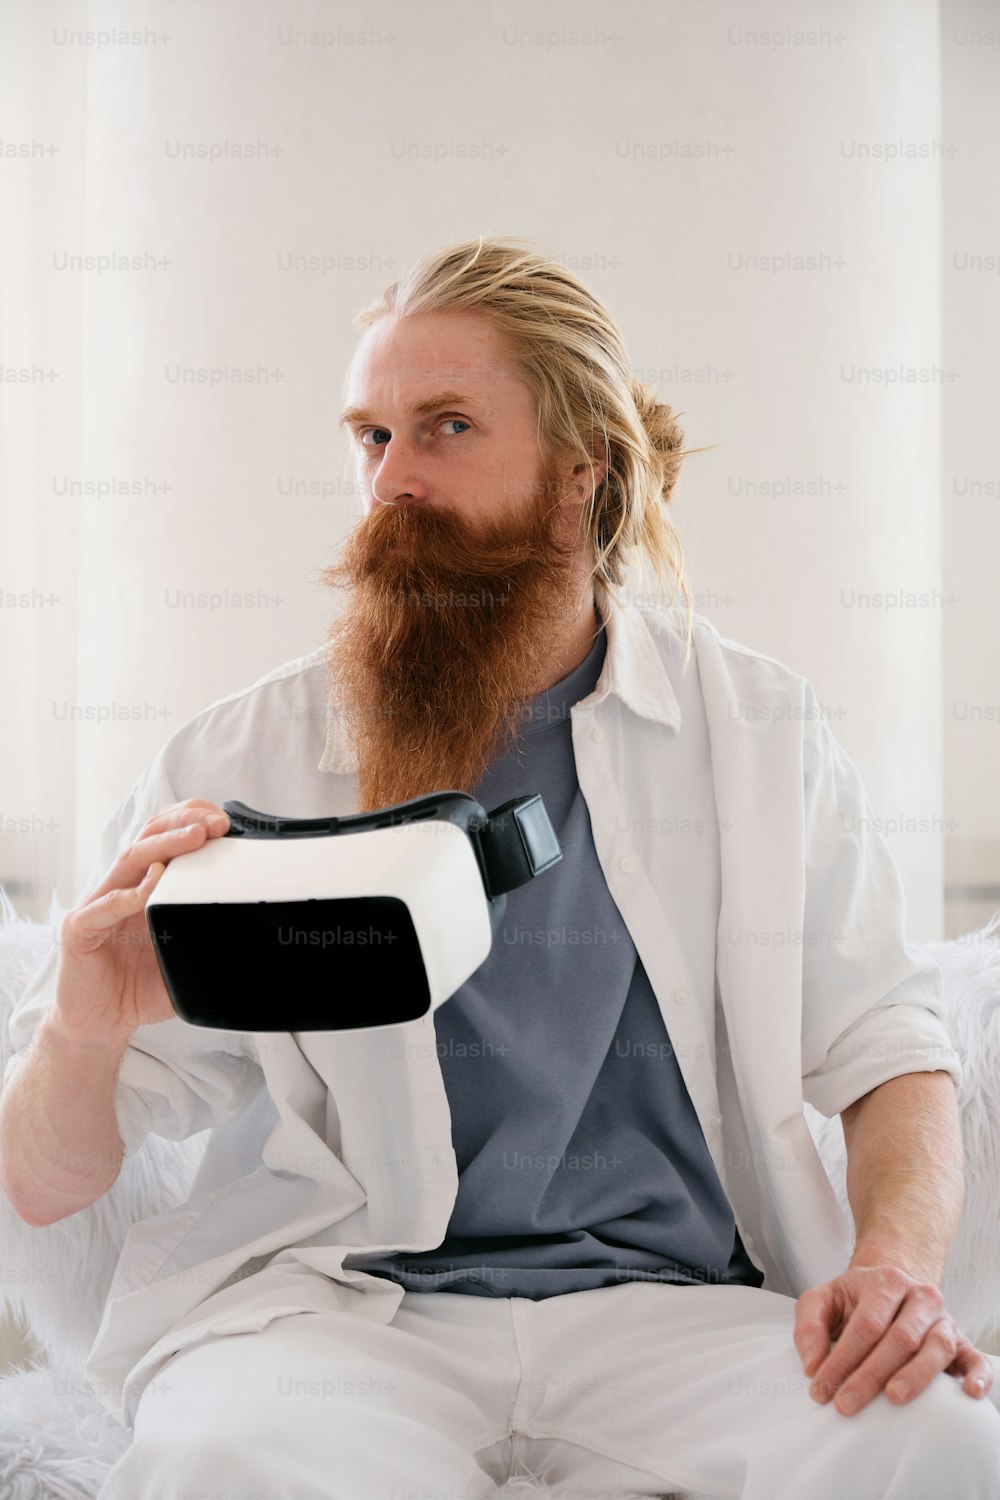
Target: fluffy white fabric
x: 57, y: 1443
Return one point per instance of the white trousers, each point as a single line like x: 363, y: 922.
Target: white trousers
x: 634, y: 1389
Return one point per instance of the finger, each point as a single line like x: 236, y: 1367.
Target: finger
x: 977, y: 1385
x: 82, y: 926
x: 180, y: 818
x: 939, y: 1350
x: 133, y: 862
x: 918, y: 1345
x: 975, y: 1366
x: 817, y: 1312
x: 864, y: 1330
x: 180, y: 813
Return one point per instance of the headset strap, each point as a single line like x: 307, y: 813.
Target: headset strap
x: 515, y: 841
x: 518, y: 842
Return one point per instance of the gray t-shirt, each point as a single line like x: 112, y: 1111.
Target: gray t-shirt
x: 581, y: 1158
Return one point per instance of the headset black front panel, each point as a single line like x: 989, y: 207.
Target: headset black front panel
x: 316, y: 965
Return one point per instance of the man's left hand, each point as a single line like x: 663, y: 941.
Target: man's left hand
x: 886, y: 1326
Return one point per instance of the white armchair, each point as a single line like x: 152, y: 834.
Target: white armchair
x: 58, y: 1443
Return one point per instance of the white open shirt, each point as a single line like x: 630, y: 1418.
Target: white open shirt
x: 795, y: 1018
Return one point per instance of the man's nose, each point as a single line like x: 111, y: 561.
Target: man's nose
x: 398, y: 480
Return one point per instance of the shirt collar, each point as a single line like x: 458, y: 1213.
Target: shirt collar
x: 633, y: 671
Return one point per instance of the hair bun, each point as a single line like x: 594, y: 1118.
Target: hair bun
x: 664, y: 432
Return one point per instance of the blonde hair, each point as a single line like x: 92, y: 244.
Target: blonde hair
x: 571, y: 354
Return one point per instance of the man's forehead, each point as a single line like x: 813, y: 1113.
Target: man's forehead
x: 416, y: 356
x: 417, y: 377
x: 416, y: 380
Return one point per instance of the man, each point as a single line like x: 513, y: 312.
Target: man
x: 567, y: 1285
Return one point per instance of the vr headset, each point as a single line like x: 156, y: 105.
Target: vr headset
x: 341, y: 924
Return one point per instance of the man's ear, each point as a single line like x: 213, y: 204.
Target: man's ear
x: 581, y: 476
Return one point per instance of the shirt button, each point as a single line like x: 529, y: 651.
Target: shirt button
x: 682, y: 996
x: 597, y: 733
x: 716, y: 1120
x: 747, y: 1240
x: 626, y: 863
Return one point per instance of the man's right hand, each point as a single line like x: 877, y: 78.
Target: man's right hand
x: 109, y: 981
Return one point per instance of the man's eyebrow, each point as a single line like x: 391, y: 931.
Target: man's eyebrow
x: 424, y: 408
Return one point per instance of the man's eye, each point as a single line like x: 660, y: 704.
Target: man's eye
x: 369, y: 431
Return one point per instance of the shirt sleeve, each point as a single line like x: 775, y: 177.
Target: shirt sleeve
x: 872, y: 1004
x: 175, y: 1079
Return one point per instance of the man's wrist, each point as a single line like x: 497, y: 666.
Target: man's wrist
x: 54, y: 1033
x: 888, y: 1250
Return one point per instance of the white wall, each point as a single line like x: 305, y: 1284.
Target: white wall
x: 653, y: 158
x: 971, y: 477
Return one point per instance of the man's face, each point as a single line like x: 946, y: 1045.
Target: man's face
x: 467, y: 567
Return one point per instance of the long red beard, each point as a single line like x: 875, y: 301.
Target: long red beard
x: 447, y: 635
